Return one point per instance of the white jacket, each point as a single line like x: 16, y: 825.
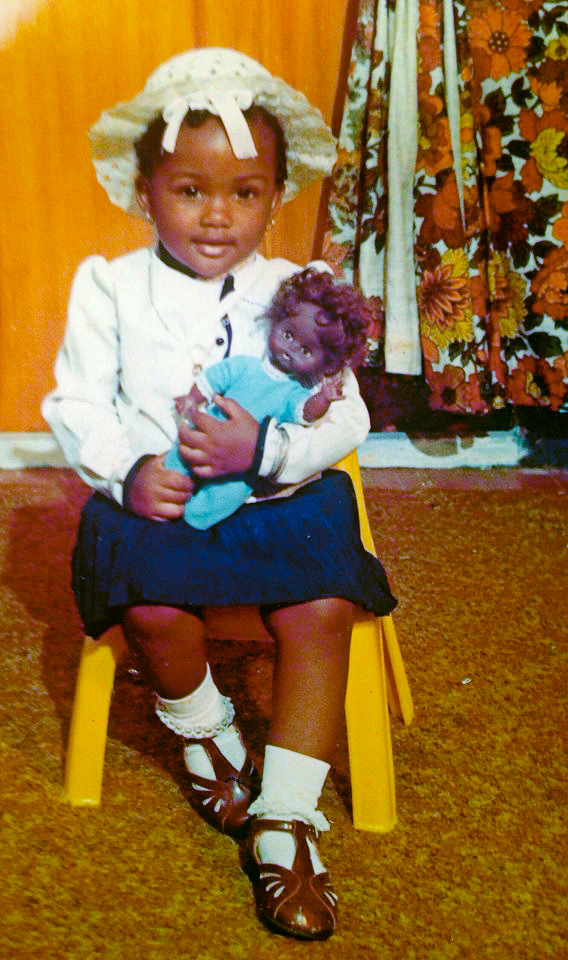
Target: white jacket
x: 138, y: 332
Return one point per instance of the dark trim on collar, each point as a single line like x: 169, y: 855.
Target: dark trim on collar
x: 166, y: 257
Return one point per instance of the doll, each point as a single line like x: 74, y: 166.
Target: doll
x: 316, y: 328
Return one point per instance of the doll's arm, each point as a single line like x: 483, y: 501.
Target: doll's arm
x: 318, y: 404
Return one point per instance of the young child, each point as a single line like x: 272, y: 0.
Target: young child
x: 208, y: 151
x: 316, y: 327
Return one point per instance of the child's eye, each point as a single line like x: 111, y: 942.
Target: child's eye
x: 191, y: 192
x: 306, y: 352
x: 247, y: 193
x: 288, y: 335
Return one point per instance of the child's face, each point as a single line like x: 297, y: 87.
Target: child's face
x: 294, y: 344
x: 210, y: 209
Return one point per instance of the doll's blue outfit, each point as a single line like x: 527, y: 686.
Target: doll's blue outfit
x: 264, y: 391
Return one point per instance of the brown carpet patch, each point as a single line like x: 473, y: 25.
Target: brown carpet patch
x: 476, y: 865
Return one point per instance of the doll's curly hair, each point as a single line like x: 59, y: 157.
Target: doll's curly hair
x: 345, y: 319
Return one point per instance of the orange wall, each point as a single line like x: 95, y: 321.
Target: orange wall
x: 61, y: 63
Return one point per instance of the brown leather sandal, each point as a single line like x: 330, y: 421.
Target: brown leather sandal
x: 224, y: 802
x: 296, y: 902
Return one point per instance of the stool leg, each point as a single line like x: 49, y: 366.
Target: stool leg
x: 368, y: 730
x: 89, y: 722
x: 398, y: 690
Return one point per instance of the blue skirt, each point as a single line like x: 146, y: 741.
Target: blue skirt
x: 278, y: 552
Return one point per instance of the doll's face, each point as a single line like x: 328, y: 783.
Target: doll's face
x: 294, y: 343
x: 210, y: 209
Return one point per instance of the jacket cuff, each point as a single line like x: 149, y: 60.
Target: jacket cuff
x: 276, y: 444
x: 254, y: 471
x: 130, y: 476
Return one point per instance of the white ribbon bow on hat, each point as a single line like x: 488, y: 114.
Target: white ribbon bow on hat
x: 227, y: 106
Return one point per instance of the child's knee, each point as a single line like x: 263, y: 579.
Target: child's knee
x: 149, y: 619
x: 329, y: 619
x: 335, y: 614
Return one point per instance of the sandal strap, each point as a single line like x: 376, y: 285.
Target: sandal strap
x: 300, y: 829
x: 223, y: 801
x: 224, y: 769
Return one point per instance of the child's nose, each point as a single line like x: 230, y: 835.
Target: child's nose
x: 217, y: 211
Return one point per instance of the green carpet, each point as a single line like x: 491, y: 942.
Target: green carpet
x: 476, y: 867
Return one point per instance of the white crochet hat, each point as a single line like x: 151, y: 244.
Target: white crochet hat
x: 224, y: 82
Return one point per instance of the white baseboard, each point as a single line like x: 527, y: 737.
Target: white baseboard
x: 20, y: 450
x: 495, y: 449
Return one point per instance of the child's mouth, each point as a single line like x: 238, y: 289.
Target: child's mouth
x: 213, y: 248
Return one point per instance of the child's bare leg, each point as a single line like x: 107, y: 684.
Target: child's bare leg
x: 171, y: 644
x: 310, y: 674
x: 310, y: 680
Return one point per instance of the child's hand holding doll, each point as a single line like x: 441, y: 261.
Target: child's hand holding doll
x: 215, y: 448
x: 158, y: 493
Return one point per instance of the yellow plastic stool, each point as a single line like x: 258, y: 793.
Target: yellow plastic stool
x: 377, y: 681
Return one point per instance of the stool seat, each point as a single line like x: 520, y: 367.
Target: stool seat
x: 377, y: 681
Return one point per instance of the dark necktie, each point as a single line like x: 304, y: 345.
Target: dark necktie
x: 228, y: 286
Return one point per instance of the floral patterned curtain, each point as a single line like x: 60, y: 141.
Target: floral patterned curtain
x: 490, y: 196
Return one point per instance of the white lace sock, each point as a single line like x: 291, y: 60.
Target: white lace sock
x: 291, y: 787
x: 204, y: 713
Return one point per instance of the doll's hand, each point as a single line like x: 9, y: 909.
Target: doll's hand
x: 158, y: 493
x: 187, y: 403
x: 318, y: 404
x: 332, y: 387
x: 183, y: 405
x: 220, y: 447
